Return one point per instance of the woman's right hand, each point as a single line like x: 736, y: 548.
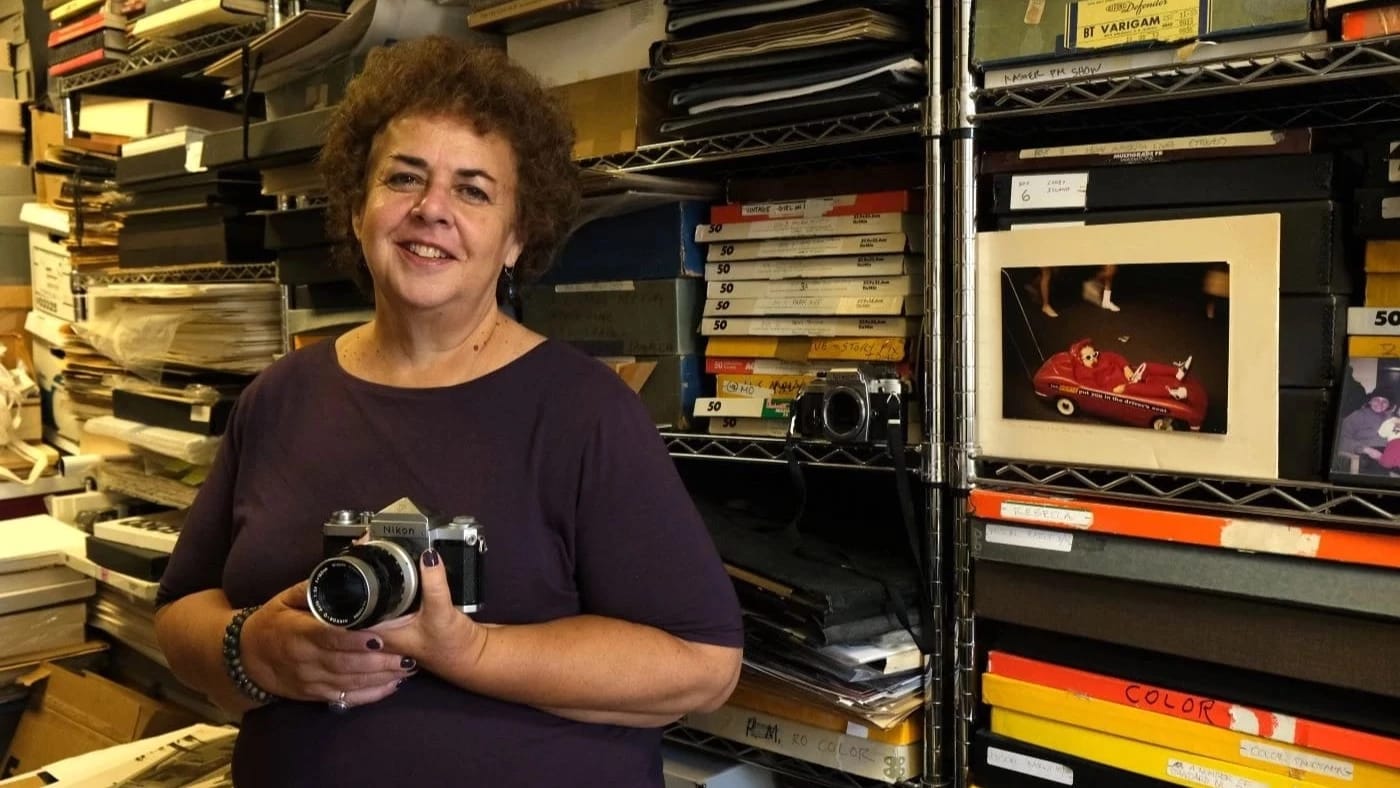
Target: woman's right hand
x: 290, y: 654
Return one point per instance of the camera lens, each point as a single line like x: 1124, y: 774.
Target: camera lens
x: 844, y: 413
x: 365, y: 584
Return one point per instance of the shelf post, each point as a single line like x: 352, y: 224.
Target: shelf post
x: 962, y: 252
x: 962, y: 248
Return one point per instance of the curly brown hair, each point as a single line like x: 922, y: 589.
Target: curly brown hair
x: 443, y: 76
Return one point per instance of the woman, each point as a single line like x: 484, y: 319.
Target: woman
x: 607, y: 612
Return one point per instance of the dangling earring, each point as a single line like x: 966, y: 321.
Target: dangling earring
x: 508, y: 294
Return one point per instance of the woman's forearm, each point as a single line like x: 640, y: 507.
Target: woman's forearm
x: 592, y: 668
x: 190, y: 632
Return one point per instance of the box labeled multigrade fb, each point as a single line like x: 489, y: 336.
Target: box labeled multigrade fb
x: 655, y: 243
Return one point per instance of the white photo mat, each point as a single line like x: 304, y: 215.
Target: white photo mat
x: 1249, y: 244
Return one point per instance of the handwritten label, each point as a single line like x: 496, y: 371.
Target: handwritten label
x: 793, y: 209
x: 1371, y: 321
x: 1060, y: 190
x: 1026, y: 764
x: 1042, y: 513
x: 1058, y: 541
x: 1175, y: 704
x: 1295, y: 759
x: 1204, y: 775
x: 1096, y: 24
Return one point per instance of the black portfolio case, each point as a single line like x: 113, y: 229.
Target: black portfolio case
x: 1246, y: 179
x: 191, y: 235
x: 271, y: 143
x: 1327, y: 648
x: 307, y: 265
x: 295, y: 229
x: 136, y: 562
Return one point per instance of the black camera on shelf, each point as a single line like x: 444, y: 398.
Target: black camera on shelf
x: 370, y: 573
x: 860, y: 404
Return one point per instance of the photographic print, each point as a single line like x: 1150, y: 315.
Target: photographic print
x: 1146, y: 345
x: 1366, y: 445
x: 1142, y: 346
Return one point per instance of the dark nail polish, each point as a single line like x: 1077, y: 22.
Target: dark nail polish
x: 408, y: 663
x: 399, y: 683
x: 374, y: 645
x: 430, y: 557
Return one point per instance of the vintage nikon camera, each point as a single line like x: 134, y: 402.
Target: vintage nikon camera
x: 362, y: 582
x: 851, y: 405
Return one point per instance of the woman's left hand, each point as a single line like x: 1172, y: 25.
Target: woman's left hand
x: 442, y: 639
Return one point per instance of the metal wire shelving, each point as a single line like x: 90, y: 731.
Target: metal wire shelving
x: 158, y: 57
x: 904, y: 120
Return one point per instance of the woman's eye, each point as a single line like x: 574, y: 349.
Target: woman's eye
x: 402, y: 180
x: 473, y: 194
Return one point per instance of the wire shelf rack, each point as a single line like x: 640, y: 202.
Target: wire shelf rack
x: 1295, y: 500
x: 814, y: 453
x: 907, y: 119
x: 177, y: 274
x: 158, y: 57
x: 1312, y: 65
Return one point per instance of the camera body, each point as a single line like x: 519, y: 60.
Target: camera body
x: 851, y: 405
x: 370, y: 571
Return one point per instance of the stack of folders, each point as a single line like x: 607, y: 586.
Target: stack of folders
x: 730, y: 66
x: 85, y: 35
x: 1130, y: 646
x: 793, y: 288
x: 177, y: 212
x: 42, y: 602
x: 827, y: 660
x: 178, y: 378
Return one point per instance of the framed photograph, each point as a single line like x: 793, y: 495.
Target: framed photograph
x: 1126, y: 345
x: 1366, y: 443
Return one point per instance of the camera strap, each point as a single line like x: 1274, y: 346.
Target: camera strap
x: 840, y: 559
x: 898, y: 426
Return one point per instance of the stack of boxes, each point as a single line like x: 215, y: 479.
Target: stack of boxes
x: 626, y: 289
x: 16, y: 56
x: 795, y: 287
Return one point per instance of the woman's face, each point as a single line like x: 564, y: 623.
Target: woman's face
x: 438, y: 221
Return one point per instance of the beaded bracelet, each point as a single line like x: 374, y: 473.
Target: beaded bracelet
x: 233, y: 661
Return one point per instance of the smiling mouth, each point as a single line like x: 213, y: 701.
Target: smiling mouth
x: 426, y: 251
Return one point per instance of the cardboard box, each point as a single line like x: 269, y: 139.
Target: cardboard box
x: 1010, y: 31
x: 667, y: 385
x: 51, y: 277
x: 46, y: 129
x: 73, y: 713
x: 567, y: 52
x: 613, y: 114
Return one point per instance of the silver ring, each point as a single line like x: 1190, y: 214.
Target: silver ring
x: 339, y: 706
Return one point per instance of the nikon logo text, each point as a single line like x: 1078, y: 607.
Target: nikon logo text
x: 398, y: 530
